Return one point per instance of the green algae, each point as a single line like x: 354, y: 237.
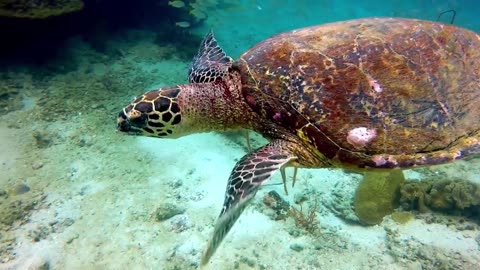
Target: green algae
x: 377, y: 195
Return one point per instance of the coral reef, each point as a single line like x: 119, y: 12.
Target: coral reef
x: 38, y: 8
x: 447, y: 195
x: 377, y: 195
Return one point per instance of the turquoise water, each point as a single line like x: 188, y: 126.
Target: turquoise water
x: 243, y: 23
x: 77, y: 194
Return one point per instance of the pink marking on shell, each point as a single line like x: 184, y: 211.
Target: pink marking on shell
x: 277, y: 117
x: 457, y: 154
x: 359, y: 137
x: 382, y: 160
x: 379, y: 160
x: 375, y: 85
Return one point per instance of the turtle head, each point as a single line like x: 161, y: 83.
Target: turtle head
x: 209, y: 101
x: 155, y: 113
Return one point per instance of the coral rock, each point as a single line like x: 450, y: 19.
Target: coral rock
x: 38, y: 9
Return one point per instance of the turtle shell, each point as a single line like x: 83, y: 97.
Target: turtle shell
x: 377, y: 92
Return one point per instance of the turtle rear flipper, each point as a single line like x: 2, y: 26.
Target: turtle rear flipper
x: 246, y: 178
x: 210, y: 63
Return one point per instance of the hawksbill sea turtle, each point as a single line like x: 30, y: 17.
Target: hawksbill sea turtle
x: 373, y: 94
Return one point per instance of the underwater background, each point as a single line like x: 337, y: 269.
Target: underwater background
x: 75, y: 194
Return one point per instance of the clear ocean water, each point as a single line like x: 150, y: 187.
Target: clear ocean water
x: 75, y: 193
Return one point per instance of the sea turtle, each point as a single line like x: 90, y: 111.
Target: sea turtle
x: 374, y: 94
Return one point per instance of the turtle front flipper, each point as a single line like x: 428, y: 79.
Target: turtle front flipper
x: 210, y: 63
x: 247, y: 176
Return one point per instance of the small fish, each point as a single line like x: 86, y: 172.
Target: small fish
x: 182, y: 24
x: 176, y: 3
x: 198, y: 14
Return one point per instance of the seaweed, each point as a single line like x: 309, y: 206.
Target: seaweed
x: 306, y: 220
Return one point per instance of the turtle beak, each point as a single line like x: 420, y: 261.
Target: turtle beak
x: 128, y: 125
x: 123, y: 124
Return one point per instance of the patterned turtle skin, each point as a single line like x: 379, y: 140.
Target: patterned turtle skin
x: 376, y: 94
